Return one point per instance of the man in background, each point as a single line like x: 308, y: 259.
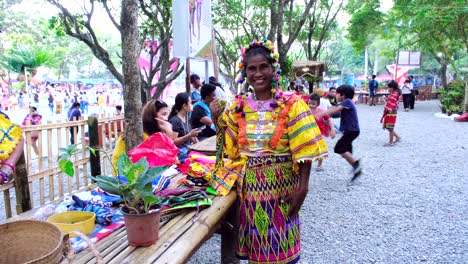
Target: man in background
x: 373, y: 85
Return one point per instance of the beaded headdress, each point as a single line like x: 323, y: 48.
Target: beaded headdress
x: 241, y: 77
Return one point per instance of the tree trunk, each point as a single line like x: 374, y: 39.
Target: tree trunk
x: 465, y: 104
x: 443, y: 75
x: 131, y: 73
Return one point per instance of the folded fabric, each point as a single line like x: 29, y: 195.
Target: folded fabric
x: 103, y: 210
x: 99, y: 232
x: 106, y: 197
x: 159, y: 183
x: 158, y: 149
x: 225, y: 177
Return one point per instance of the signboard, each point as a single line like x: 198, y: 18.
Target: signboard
x: 192, y: 28
x: 409, y: 58
x: 333, y: 73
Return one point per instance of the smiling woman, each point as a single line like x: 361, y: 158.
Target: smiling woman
x: 271, y: 138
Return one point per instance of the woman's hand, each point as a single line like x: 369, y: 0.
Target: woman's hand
x: 295, y: 200
x: 194, y: 132
x: 215, y: 110
x: 166, y: 127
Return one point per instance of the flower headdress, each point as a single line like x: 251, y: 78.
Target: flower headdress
x: 241, y: 77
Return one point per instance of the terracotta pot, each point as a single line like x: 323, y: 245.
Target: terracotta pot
x: 142, y: 229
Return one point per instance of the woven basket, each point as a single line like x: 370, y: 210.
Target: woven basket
x: 30, y: 241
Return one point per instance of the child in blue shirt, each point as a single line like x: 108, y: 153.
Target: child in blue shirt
x: 349, y: 125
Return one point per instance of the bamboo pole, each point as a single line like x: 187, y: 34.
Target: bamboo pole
x: 23, y: 195
x: 94, y: 143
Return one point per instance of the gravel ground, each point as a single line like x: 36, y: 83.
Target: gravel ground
x: 410, y: 206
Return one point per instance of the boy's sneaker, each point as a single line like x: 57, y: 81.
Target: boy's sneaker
x: 357, y: 170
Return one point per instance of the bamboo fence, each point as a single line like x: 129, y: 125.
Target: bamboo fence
x: 38, y: 179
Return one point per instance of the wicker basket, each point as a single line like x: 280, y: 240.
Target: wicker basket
x: 30, y: 241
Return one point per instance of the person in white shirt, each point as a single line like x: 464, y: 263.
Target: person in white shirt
x: 406, y: 89
x: 324, y: 103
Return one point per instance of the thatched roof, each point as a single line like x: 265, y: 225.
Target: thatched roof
x: 311, y: 68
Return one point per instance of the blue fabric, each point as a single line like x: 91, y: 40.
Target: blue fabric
x: 205, y: 107
x: 373, y: 84
x: 349, y: 119
x: 196, y: 96
x: 159, y: 183
x: 415, y: 85
x: 106, y: 197
x: 103, y: 210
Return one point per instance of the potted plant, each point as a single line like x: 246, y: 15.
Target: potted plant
x: 141, y: 208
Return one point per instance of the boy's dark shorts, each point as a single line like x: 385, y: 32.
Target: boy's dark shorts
x: 345, y: 143
x: 372, y: 92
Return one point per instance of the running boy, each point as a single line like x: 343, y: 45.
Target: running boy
x: 324, y: 123
x: 349, y: 124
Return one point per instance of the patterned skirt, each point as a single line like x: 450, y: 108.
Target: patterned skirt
x: 266, y: 233
x: 390, y: 120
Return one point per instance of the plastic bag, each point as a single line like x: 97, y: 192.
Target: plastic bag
x: 158, y: 149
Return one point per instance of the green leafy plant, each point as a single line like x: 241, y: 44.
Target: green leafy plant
x: 137, y: 193
x: 451, y: 100
x: 64, y: 158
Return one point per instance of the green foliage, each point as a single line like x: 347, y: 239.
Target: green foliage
x: 365, y: 22
x: 64, y: 158
x: 137, y: 192
x: 452, y: 100
x: 22, y: 57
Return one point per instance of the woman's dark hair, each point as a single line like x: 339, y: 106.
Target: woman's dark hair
x: 180, y: 100
x: 150, y: 124
x: 315, y: 97
x: 207, y: 90
x: 258, y: 51
x: 394, y: 85
x: 346, y: 90
x: 194, y: 77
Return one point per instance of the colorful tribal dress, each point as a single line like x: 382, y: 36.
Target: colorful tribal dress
x: 390, y: 112
x: 268, y: 144
x: 10, y: 136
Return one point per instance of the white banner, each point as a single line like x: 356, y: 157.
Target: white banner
x: 180, y: 28
x: 409, y: 58
x: 192, y: 29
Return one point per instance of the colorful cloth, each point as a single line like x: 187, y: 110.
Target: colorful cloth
x: 266, y: 233
x: 267, y: 171
x: 10, y: 135
x: 390, y: 112
x: 323, y: 123
x: 100, y: 232
x: 31, y: 120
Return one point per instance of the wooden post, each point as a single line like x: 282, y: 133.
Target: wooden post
x: 230, y: 235
x: 23, y: 199
x: 94, y: 160
x: 187, y: 72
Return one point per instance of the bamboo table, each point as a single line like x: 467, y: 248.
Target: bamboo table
x: 207, y: 146
x: 179, y: 238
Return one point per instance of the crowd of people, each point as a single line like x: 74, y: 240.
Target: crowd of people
x: 270, y: 136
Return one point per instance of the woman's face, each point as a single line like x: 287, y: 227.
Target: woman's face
x: 259, y: 73
x: 163, y: 113
x: 188, y: 106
